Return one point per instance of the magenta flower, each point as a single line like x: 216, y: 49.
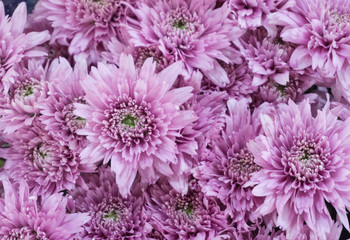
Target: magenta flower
x: 133, y: 119
x: 24, y: 215
x: 304, y: 161
x: 227, y: 165
x: 193, y: 32
x: 112, y: 216
x: 20, y: 104
x: 84, y: 26
x: 267, y: 57
x: 322, y: 32
x: 190, y: 216
x: 57, y: 110
x: 46, y: 165
x: 15, y: 45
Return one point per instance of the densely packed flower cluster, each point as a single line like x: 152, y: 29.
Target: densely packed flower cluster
x: 175, y: 119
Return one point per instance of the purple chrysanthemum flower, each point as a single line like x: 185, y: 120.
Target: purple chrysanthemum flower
x: 20, y: 105
x: 133, y: 119
x: 267, y: 56
x: 228, y: 164
x: 57, y: 110
x: 24, y: 215
x: 140, y: 54
x: 192, y: 31
x: 305, y: 163
x: 190, y: 216
x: 39, y: 159
x: 253, y: 13
x: 240, y: 81
x: 84, y: 26
x: 15, y: 45
x: 294, y: 89
x: 322, y: 31
x: 112, y: 216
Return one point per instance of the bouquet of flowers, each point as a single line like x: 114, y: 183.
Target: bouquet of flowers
x: 175, y: 119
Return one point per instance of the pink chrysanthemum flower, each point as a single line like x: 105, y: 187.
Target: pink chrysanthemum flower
x: 40, y: 160
x: 20, y: 105
x: 294, y: 89
x: 15, y: 45
x: 57, y: 110
x: 192, y: 31
x: 112, y: 216
x: 24, y: 215
x: 322, y: 31
x: 240, y: 81
x: 140, y: 54
x: 304, y: 161
x: 228, y: 164
x: 267, y: 56
x: 253, y: 13
x: 133, y: 119
x: 84, y: 26
x: 190, y: 216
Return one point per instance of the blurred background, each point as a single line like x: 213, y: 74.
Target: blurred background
x: 10, y: 5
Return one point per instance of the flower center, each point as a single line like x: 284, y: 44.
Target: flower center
x: 112, y: 215
x: 129, y: 122
x: 26, y: 89
x: 186, y: 205
x: 180, y: 24
x: 307, y: 158
x: 241, y: 165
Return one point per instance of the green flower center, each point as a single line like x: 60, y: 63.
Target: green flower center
x: 179, y: 24
x: 112, y: 215
x: 129, y: 121
x: 28, y: 91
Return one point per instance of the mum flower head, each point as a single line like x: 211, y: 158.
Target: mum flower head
x: 83, y: 26
x: 304, y: 162
x: 112, y: 216
x: 15, y: 44
x: 27, y: 89
x: 25, y: 215
x: 190, y: 216
x: 57, y: 111
x: 194, y: 32
x: 321, y: 30
x: 228, y: 165
x: 42, y: 161
x: 133, y: 119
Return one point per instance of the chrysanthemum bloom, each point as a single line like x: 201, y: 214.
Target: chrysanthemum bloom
x: 140, y: 54
x: 273, y: 92
x: 223, y: 171
x: 24, y: 215
x: 57, y: 110
x: 210, y: 110
x: 253, y: 13
x: 305, y: 162
x: 239, y: 85
x: 84, y: 26
x: 15, y: 45
x: 267, y: 56
x: 192, y: 31
x: 190, y: 216
x: 133, y: 119
x: 40, y: 160
x: 321, y: 28
x: 20, y: 105
x: 112, y: 216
